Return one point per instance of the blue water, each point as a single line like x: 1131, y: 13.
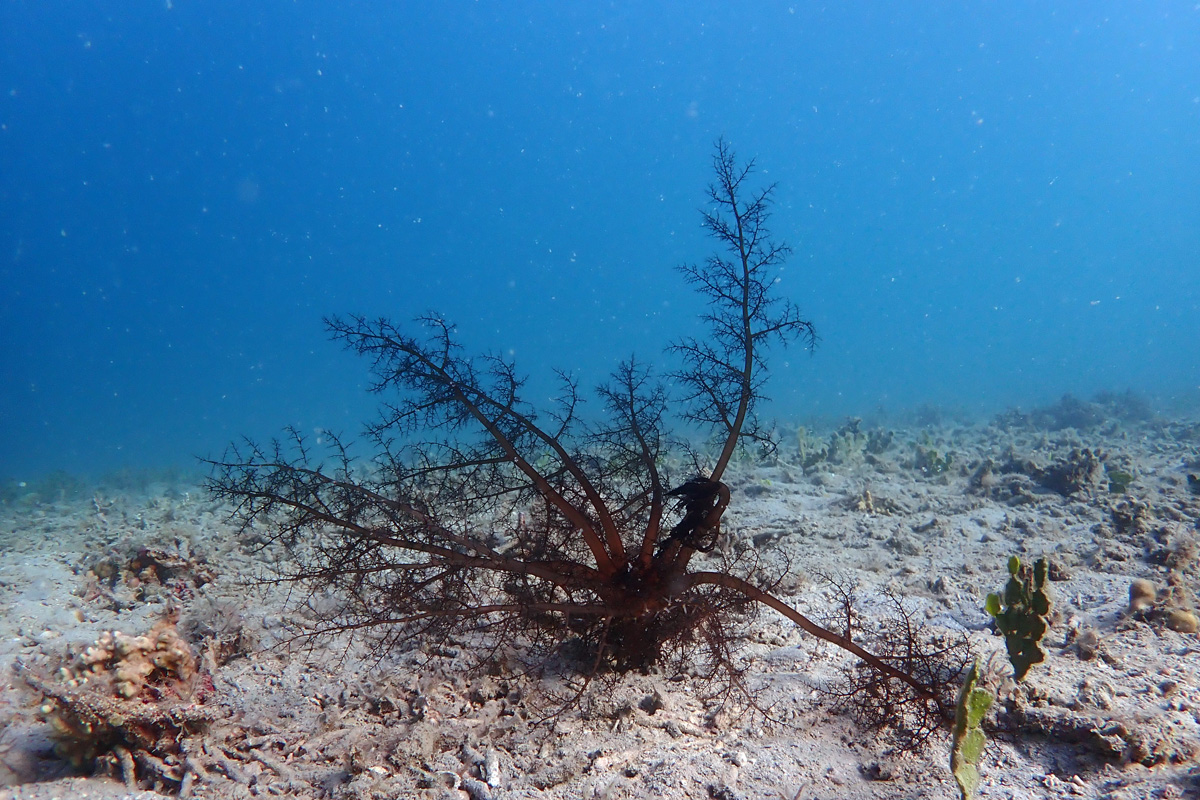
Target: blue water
x: 990, y: 203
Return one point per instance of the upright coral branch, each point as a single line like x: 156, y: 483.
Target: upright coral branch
x: 720, y: 374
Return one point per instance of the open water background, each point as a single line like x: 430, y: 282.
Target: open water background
x: 991, y: 204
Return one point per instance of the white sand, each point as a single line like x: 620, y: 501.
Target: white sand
x: 1117, y: 718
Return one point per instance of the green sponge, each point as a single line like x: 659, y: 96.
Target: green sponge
x: 968, y: 738
x: 1023, y: 618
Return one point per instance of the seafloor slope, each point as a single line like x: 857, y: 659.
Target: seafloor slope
x: 929, y: 513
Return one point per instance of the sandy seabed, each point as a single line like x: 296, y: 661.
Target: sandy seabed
x: 928, y: 513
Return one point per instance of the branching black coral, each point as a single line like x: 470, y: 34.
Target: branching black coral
x: 724, y: 374
x: 483, y: 518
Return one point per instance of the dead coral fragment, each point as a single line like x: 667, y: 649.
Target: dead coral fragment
x: 121, y: 580
x: 128, y: 704
x: 1134, y: 739
x: 159, y: 658
x: 1173, y: 607
x: 1142, y: 594
x: 1080, y: 471
x: 112, y: 734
